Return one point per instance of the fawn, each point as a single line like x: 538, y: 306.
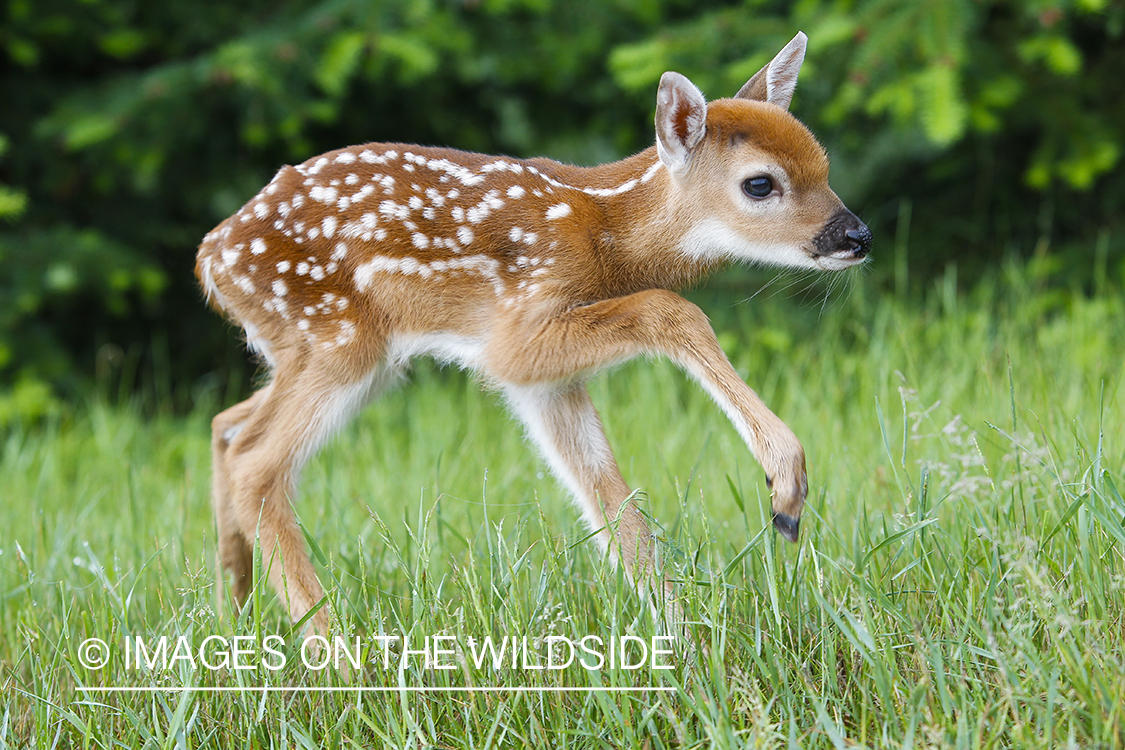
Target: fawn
x: 531, y: 274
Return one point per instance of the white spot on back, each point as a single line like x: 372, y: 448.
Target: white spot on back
x: 230, y: 257
x: 558, y: 211
x: 481, y: 264
x: 323, y: 194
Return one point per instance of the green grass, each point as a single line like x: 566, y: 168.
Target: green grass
x: 959, y: 582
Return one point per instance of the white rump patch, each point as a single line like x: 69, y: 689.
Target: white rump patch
x: 258, y: 344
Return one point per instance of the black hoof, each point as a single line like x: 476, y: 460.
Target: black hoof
x: 787, y: 525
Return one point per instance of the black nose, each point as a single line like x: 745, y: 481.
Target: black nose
x: 860, y: 238
x: 844, y: 235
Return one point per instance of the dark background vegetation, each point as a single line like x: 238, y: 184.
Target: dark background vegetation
x: 964, y: 131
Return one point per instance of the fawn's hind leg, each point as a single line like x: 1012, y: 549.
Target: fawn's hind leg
x: 235, y: 551
x: 287, y: 422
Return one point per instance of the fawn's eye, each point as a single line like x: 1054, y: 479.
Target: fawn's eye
x: 757, y: 187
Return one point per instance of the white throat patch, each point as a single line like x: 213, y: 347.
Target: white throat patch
x: 712, y: 239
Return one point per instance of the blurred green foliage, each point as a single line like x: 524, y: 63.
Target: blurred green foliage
x: 129, y: 129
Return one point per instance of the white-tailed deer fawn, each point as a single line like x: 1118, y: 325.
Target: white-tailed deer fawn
x: 530, y: 273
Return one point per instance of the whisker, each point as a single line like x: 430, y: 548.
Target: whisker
x: 832, y: 284
x: 762, y: 288
x: 796, y: 278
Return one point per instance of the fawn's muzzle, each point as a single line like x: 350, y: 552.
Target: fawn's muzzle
x: 844, y: 237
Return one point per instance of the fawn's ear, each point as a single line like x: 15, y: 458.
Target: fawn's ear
x: 681, y: 120
x: 775, y: 82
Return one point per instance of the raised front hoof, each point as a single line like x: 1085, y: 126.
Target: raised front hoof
x: 788, y: 526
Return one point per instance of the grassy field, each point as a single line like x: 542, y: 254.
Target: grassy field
x: 959, y: 581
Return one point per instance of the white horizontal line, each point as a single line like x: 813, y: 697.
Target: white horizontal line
x: 371, y: 689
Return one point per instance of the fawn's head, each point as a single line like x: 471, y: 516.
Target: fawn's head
x: 754, y: 178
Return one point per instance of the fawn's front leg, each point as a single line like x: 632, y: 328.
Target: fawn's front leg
x: 555, y: 348
x: 562, y: 421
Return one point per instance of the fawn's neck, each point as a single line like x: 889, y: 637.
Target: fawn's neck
x: 636, y: 224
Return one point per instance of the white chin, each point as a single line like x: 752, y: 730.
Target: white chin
x: 839, y: 261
